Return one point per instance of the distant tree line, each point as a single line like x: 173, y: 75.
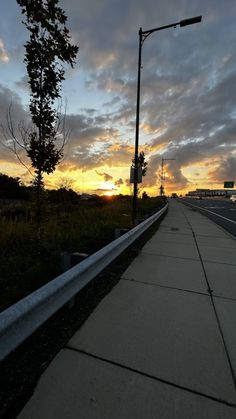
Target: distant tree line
x: 12, y: 188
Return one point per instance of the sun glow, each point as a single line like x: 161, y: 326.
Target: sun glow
x: 109, y: 194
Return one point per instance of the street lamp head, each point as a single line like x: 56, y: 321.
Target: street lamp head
x: 190, y: 21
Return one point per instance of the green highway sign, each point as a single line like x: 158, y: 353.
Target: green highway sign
x: 229, y: 184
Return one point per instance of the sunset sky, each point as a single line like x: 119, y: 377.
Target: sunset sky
x: 188, y: 94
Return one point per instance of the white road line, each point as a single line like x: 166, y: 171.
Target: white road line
x: 216, y: 207
x: 218, y: 215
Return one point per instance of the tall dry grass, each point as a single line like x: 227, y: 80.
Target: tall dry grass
x: 85, y: 227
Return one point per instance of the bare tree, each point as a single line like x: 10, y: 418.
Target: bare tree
x: 65, y: 183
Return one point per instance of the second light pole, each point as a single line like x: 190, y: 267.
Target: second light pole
x: 162, y: 176
x: 142, y: 36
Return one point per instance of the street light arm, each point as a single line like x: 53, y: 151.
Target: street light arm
x: 184, y: 22
x: 149, y: 31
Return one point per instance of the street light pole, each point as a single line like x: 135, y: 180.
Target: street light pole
x: 162, y: 167
x: 134, y: 212
x: 162, y: 176
x: 142, y: 36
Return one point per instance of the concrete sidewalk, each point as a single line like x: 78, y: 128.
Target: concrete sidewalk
x: 162, y: 344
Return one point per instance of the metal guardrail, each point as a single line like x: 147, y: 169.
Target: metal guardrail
x: 21, y: 319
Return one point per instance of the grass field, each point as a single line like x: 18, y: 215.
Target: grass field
x: 83, y: 227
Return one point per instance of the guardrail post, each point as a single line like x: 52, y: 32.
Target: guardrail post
x: 68, y: 260
x: 119, y: 232
x: 65, y: 261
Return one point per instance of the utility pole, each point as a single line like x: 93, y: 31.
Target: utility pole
x: 162, y: 175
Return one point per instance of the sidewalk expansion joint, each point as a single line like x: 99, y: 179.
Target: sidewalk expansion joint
x: 208, y: 235
x: 168, y: 231
x: 174, y: 233
x: 152, y: 284
x: 218, y: 263
x: 222, y: 297
x: 213, y: 305
x: 152, y: 377
x: 168, y: 256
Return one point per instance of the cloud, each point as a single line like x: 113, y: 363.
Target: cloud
x: 87, y: 156
x: 103, y: 190
x: 10, y: 102
x: 23, y: 83
x: 224, y: 171
x: 67, y: 167
x: 119, y: 182
x: 199, y: 128
x: 105, y: 176
x: 3, y: 53
x: 188, y: 87
x: 188, y: 78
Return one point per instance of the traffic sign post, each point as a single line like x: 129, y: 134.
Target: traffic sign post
x: 229, y: 184
x: 132, y: 174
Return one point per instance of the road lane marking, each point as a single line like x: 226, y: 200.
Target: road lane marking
x: 216, y: 207
x: 214, y: 213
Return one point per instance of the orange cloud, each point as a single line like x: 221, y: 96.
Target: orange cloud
x: 3, y: 53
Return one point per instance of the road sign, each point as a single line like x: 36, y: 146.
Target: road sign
x: 229, y: 184
x: 139, y: 174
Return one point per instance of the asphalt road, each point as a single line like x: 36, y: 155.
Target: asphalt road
x: 222, y: 212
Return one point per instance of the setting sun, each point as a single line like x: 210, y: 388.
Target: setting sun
x: 109, y: 194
